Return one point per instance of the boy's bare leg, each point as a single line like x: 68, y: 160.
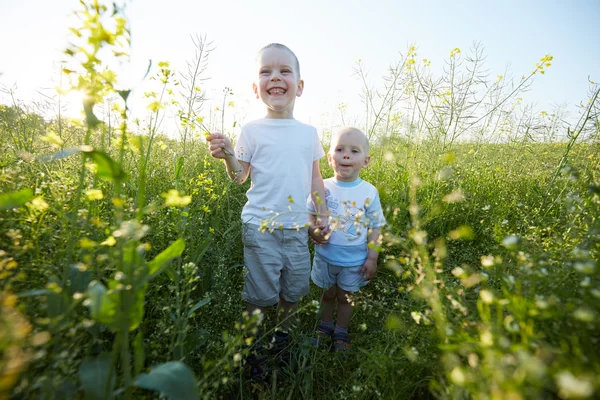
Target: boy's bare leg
x: 328, y: 304
x: 250, y: 308
x: 344, y: 311
x: 285, y: 314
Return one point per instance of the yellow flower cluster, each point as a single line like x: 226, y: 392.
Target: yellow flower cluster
x: 173, y: 199
x: 454, y: 51
x: 410, y: 58
x: 543, y: 63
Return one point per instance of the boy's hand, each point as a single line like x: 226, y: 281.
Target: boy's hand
x: 219, y: 145
x: 319, y: 233
x: 369, y: 269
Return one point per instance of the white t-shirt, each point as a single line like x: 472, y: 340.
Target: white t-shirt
x: 354, y: 208
x: 281, y: 154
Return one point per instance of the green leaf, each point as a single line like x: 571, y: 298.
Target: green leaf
x: 124, y: 94
x: 136, y: 313
x: 80, y: 279
x: 138, y: 353
x: 170, y: 271
x: 103, y: 307
x: 195, y: 339
x: 161, y: 260
x: 35, y: 292
x: 104, y: 304
x: 178, y: 166
x: 199, y: 304
x: 148, y: 70
x: 107, y: 168
x: 15, y: 199
x: 93, y: 374
x: 56, y: 304
x: 174, y: 379
x: 90, y: 117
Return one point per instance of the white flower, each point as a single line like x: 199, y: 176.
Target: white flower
x: 487, y: 261
x: 572, y: 387
x: 486, y: 296
x: 510, y: 242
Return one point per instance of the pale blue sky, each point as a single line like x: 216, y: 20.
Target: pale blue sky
x: 328, y: 37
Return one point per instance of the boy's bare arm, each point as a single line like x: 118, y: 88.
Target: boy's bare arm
x: 319, y: 231
x: 369, y: 268
x: 312, y: 229
x: 317, y: 193
x: 220, y: 147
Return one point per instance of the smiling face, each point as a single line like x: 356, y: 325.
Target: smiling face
x: 349, y: 154
x: 278, y: 83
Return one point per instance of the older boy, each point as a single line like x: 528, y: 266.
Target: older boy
x: 346, y: 262
x: 281, y: 155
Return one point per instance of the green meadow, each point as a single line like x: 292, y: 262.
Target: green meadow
x: 121, y: 262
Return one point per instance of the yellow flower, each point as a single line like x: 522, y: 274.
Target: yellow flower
x: 173, y: 199
x: 86, y: 243
x: 94, y: 194
x: 53, y: 138
x: 110, y: 241
x: 38, y: 204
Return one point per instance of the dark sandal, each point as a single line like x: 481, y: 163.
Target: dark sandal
x: 322, y: 333
x: 341, y: 343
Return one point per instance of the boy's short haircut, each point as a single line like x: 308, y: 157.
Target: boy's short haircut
x: 283, y: 47
x: 350, y: 128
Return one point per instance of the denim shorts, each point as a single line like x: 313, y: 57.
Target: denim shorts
x: 277, y: 265
x: 325, y: 275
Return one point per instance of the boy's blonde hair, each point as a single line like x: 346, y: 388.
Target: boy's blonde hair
x: 348, y: 129
x: 283, y: 47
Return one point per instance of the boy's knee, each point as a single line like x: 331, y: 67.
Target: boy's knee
x: 330, y: 294
x: 342, y: 297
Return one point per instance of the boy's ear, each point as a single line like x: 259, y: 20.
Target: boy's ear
x: 367, y: 161
x: 300, y: 88
x: 255, y: 89
x: 329, y: 160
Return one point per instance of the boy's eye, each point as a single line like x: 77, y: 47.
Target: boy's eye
x: 355, y: 151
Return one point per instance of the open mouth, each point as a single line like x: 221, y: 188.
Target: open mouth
x: 276, y: 91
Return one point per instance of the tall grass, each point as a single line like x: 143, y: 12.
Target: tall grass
x: 121, y: 262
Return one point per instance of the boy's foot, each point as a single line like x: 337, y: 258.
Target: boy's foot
x: 255, y: 365
x: 321, y: 334
x: 280, y: 348
x: 341, y: 346
x: 279, y: 341
x: 341, y: 343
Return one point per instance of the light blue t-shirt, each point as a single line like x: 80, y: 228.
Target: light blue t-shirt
x: 354, y: 207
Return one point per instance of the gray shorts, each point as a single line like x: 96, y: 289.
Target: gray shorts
x: 325, y: 275
x: 277, y: 265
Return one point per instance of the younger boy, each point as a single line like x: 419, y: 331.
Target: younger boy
x: 281, y: 155
x: 346, y: 263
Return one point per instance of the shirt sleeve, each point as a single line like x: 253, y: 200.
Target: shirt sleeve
x: 375, y: 217
x: 319, y: 152
x: 243, y: 147
x: 309, y: 205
